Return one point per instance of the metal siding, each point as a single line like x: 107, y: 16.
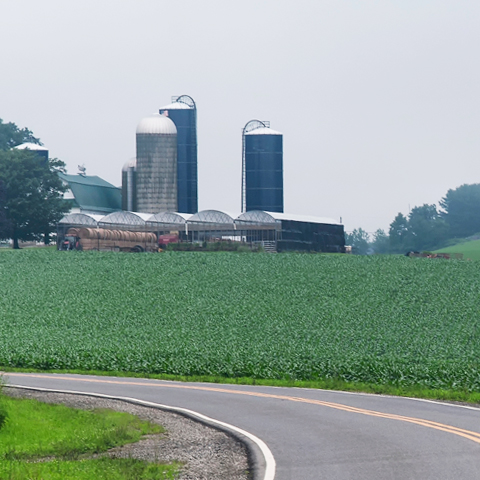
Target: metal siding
x: 313, y: 237
x: 187, y: 181
x: 264, y: 172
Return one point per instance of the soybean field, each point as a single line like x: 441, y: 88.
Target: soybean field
x: 380, y: 319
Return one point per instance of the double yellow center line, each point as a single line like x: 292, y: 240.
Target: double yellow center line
x: 469, y: 435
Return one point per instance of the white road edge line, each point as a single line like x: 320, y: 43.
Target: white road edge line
x: 270, y: 464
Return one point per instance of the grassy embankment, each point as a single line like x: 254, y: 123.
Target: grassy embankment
x: 470, y: 249
x: 54, y: 442
x: 379, y: 324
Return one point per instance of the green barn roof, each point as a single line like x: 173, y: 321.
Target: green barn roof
x: 93, y: 193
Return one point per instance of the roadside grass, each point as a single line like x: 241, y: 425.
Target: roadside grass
x: 415, y: 391
x: 44, y: 441
x: 99, y: 469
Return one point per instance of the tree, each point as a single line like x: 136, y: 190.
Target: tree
x: 33, y: 201
x: 358, y: 239
x: 426, y: 228
x: 5, y: 230
x: 11, y: 136
x: 381, y: 242
x: 461, y: 209
x: 399, y: 234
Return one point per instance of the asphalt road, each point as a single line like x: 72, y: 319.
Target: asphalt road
x: 316, y: 434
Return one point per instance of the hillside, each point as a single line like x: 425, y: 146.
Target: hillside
x: 469, y: 248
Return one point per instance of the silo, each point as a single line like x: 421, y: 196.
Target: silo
x: 129, y: 186
x: 183, y: 112
x: 40, y: 151
x: 156, y: 165
x: 262, y: 168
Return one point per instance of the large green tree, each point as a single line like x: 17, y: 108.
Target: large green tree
x: 381, y: 242
x: 5, y: 231
x: 427, y: 230
x: 11, y: 136
x: 33, y: 201
x: 358, y: 240
x: 461, y: 210
x: 399, y: 234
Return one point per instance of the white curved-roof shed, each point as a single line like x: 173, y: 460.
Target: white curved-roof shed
x: 156, y: 124
x: 81, y: 219
x: 122, y: 217
x: 169, y: 218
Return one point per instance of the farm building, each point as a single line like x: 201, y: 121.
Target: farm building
x: 91, y: 194
x: 274, y: 231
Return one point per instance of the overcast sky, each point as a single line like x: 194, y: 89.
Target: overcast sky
x: 378, y: 101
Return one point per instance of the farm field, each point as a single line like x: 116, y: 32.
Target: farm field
x: 387, y: 320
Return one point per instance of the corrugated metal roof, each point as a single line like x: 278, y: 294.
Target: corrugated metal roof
x: 93, y: 193
x: 31, y: 146
x: 91, y: 180
x: 156, y: 124
x: 263, y: 131
x: 303, y: 218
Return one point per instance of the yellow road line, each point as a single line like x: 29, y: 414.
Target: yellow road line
x: 468, y: 434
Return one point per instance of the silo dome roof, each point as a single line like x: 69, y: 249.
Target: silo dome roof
x: 263, y: 131
x: 177, y: 106
x: 31, y: 146
x: 132, y: 163
x: 157, y: 124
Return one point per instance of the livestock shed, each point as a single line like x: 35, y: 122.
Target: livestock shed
x: 272, y: 230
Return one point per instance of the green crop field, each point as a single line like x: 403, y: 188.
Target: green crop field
x: 387, y: 320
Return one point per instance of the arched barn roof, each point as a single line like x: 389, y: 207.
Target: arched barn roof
x: 81, y: 219
x: 169, y: 217
x: 255, y: 216
x: 125, y: 219
x: 211, y: 217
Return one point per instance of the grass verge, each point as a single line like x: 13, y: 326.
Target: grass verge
x: 43, y: 441
x: 418, y: 391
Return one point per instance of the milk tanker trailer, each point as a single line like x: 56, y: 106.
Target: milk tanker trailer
x: 109, y: 240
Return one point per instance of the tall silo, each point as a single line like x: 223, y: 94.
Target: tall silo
x: 262, y: 168
x: 129, y: 186
x: 40, y: 151
x: 156, y: 165
x: 183, y: 112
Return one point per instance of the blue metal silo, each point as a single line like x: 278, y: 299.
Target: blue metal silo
x: 183, y: 112
x: 262, y: 168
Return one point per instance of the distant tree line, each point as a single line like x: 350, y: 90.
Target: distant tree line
x: 31, y: 192
x: 425, y: 228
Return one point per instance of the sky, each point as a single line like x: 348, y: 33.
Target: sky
x: 378, y: 101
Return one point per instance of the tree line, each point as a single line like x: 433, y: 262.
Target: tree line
x: 426, y: 228
x: 31, y: 192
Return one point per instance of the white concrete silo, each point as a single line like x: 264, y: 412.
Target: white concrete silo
x: 156, y: 165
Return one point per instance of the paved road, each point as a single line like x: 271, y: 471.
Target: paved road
x: 315, y: 434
